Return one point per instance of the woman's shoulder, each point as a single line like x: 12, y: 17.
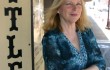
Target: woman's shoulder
x: 51, y: 33
x: 87, y: 32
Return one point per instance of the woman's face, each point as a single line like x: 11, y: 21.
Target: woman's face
x: 70, y: 11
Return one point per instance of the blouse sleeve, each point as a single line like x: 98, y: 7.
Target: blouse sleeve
x: 51, y: 53
x: 94, y: 54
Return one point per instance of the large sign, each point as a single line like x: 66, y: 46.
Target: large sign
x: 16, y: 35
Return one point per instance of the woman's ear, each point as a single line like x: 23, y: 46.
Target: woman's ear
x: 58, y: 11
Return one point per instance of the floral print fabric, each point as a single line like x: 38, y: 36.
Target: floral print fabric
x: 60, y: 54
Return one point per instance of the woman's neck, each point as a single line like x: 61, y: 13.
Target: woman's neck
x: 68, y: 27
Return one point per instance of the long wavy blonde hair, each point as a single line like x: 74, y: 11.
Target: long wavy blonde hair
x: 52, y: 19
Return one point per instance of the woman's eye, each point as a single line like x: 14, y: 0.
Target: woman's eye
x: 68, y: 3
x: 71, y: 4
x: 78, y: 4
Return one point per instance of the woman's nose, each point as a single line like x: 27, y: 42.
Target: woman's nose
x: 74, y: 7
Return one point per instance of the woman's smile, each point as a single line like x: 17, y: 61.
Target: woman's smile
x: 74, y: 14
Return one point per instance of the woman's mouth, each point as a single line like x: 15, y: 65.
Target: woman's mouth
x: 73, y: 14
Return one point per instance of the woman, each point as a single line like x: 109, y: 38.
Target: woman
x: 68, y: 42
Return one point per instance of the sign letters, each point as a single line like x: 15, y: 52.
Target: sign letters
x: 11, y: 38
x: 16, y: 38
x: 13, y: 16
x: 13, y: 1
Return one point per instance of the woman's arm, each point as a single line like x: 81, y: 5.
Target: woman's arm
x: 95, y: 58
x: 51, y: 53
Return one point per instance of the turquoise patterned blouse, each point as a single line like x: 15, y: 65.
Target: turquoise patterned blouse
x: 60, y: 54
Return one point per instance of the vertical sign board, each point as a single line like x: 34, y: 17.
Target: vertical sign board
x: 16, y: 35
